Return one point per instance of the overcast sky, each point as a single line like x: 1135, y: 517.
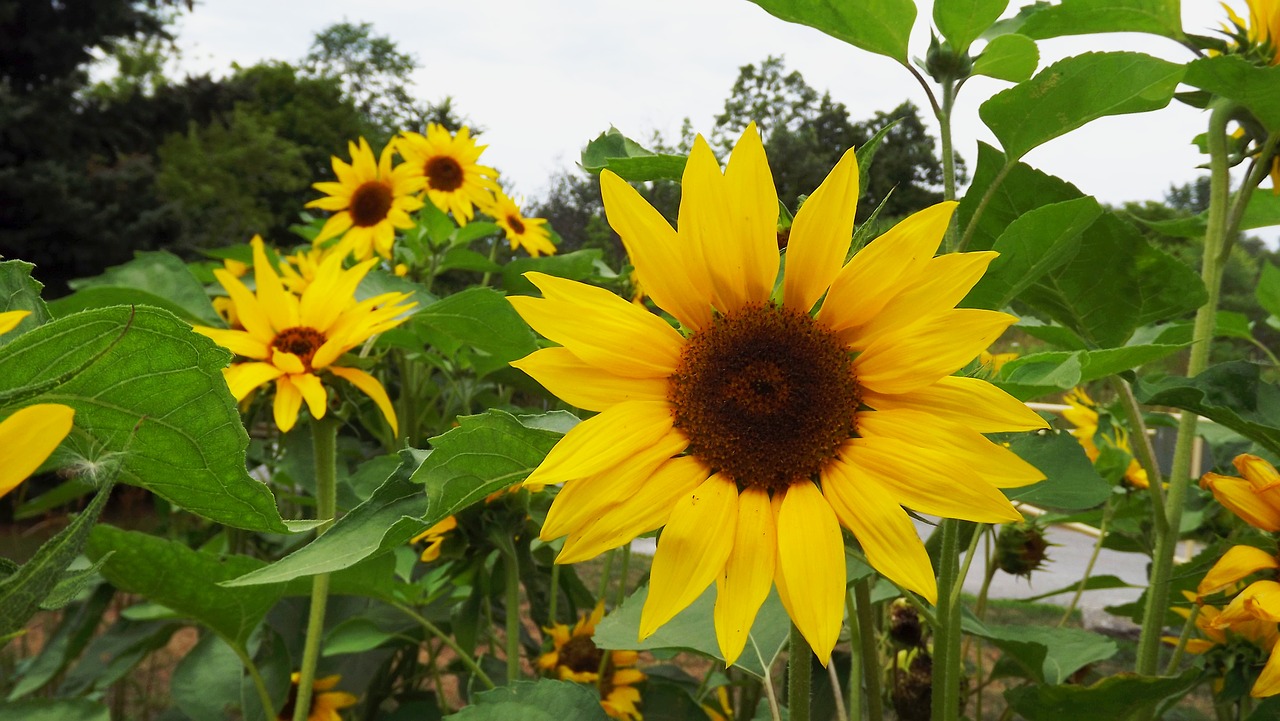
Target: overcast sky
x: 544, y: 77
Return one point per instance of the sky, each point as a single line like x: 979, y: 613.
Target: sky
x: 544, y: 77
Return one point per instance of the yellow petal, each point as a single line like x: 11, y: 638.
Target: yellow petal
x: 280, y: 305
x: 811, y: 558
x: 586, y: 386
x: 372, y: 388
x: 748, y: 574
x: 313, y: 393
x: 972, y: 402
x: 248, y: 310
x: 922, y: 354
x: 28, y: 437
x: 11, y: 318
x: 1259, y: 600
x: 236, y: 341
x: 820, y: 236
x: 602, y: 442
x: 704, y: 221
x: 883, y: 529
x: 242, y: 378
x: 1235, y: 564
x: 336, y: 225
x: 1268, y: 683
x: 671, y: 275
x: 288, y: 401
x: 286, y: 361
x: 753, y: 208
x: 692, y: 551
x: 1260, y: 473
x: 1259, y: 510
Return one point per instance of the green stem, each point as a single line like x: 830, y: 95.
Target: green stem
x: 604, y: 575
x: 855, y: 658
x: 1108, y: 509
x: 264, y: 696
x: 555, y: 594
x: 870, y: 658
x: 1183, y: 637
x: 841, y: 712
x: 1180, y: 473
x: 622, y: 578
x: 980, y: 610
x: 958, y: 588
x: 946, y: 634
x: 324, y: 444
x: 493, y: 258
x: 948, y: 155
x: 463, y: 656
x: 512, y: 567
x: 1145, y: 453
x: 798, y: 672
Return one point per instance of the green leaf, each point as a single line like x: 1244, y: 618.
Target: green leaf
x: 185, y: 580
x: 1037, y: 374
x: 154, y: 278
x: 613, y: 151
x: 1232, y: 77
x: 70, y: 709
x: 1023, y: 189
x: 1229, y: 394
x: 466, y: 259
x: 22, y: 591
x: 70, y: 585
x: 878, y: 26
x: 481, y: 318
x: 1009, y: 57
x: 1049, y: 654
x: 1263, y: 211
x: 1075, y: 91
x: 356, y: 635
x: 1084, y: 17
x: 1071, y: 484
x: 206, y: 683
x: 1268, y: 290
x: 693, y: 629
x: 578, y: 265
x: 542, y: 700
x: 379, y: 281
x: 113, y: 654
x: 149, y: 398
x: 79, y: 624
x: 962, y: 21
x: 19, y: 291
x: 1031, y: 246
x: 1121, y: 696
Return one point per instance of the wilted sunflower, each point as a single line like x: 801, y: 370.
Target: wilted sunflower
x: 325, y: 703
x: 577, y: 658
x: 1082, y: 413
x: 370, y: 200
x: 531, y: 234
x: 448, y: 164
x: 291, y: 340
x: 765, y: 423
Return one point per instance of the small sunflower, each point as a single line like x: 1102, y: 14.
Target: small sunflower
x: 325, y: 703
x: 29, y: 436
x: 1254, y: 498
x: 370, y: 200
x: 291, y: 339
x: 448, y: 165
x: 1082, y: 412
x: 577, y: 658
x: 1253, y: 614
x: 765, y: 423
x: 434, y: 538
x: 530, y: 234
x: 297, y: 271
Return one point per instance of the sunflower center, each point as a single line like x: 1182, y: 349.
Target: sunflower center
x: 580, y: 654
x: 765, y: 395
x: 516, y: 224
x: 300, y: 341
x: 370, y: 203
x: 443, y: 173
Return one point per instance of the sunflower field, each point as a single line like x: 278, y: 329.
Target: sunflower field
x: 411, y: 462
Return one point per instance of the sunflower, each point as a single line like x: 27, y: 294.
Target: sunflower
x: 577, y: 658
x: 447, y: 164
x: 434, y: 538
x: 370, y: 201
x: 290, y: 339
x: 1254, y: 498
x: 1258, y: 41
x: 1082, y: 412
x: 1253, y: 615
x: 325, y: 703
x: 762, y: 425
x: 531, y: 234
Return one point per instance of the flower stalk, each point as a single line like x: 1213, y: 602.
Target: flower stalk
x: 798, y: 676
x: 324, y: 440
x: 867, y: 642
x: 946, y: 632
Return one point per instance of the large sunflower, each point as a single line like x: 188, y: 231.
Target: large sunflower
x: 370, y: 201
x: 576, y: 658
x: 291, y: 339
x: 531, y: 234
x: 769, y: 420
x: 448, y: 164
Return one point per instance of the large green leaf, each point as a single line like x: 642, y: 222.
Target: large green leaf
x: 1114, y: 697
x: 579, y: 265
x: 1048, y: 654
x: 1009, y: 57
x: 1268, y: 290
x: 1230, y: 394
x: 19, y: 291
x: 153, y: 278
x: 1231, y: 76
x: 185, y: 580
x: 693, y: 629
x: 149, y: 399
x: 1023, y: 189
x: 962, y: 21
x: 1084, y: 17
x: 1031, y: 246
x: 1038, y: 374
x: 481, y: 318
x: 878, y: 26
x: 613, y: 151
x: 542, y: 700
x: 1071, y: 482
x: 1075, y: 91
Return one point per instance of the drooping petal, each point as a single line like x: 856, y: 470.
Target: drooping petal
x: 972, y: 402
x: 242, y: 378
x: 1239, y: 496
x: 748, y: 574
x: 287, y: 403
x: 1259, y: 600
x: 1235, y: 564
x: 883, y: 529
x: 922, y: 354
x: 998, y: 465
x: 820, y: 236
x: 753, y: 202
x: 811, y: 558
x: 944, y: 282
x: 586, y: 386
x: 372, y: 388
x: 604, y: 441
x: 692, y: 551
x: 28, y: 437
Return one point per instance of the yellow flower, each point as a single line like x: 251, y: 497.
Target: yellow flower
x: 370, y: 201
x: 1253, y: 614
x: 455, y: 183
x: 577, y: 658
x: 759, y: 428
x: 1082, y: 413
x: 992, y: 362
x: 235, y: 267
x: 434, y: 537
x: 1254, y: 498
x: 28, y: 437
x: 325, y: 703
x: 723, y: 710
x: 290, y: 339
x: 531, y: 234
x: 1259, y: 41
x: 11, y: 318
x: 297, y: 271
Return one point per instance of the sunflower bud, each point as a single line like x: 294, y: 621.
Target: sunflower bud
x: 942, y: 62
x: 904, y: 623
x: 911, y: 688
x: 1020, y: 548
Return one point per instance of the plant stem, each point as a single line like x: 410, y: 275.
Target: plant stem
x: 264, y: 696
x: 512, y: 567
x: 946, y: 634
x: 555, y: 594
x: 798, y: 672
x: 775, y: 714
x: 841, y: 713
x: 1178, y: 650
x: 1145, y: 453
x: 324, y: 444
x: 855, y: 658
x: 948, y: 155
x: 1108, y: 509
x: 604, y: 575
x: 1180, y: 474
x: 463, y: 656
x: 493, y: 258
x: 978, y: 532
x: 870, y: 658
x: 622, y: 577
